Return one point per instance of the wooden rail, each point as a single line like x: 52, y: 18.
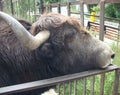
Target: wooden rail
x: 110, y: 32
x: 67, y: 78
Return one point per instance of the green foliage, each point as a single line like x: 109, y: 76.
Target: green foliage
x: 95, y: 9
x: 51, y: 1
x: 110, y: 11
x: 7, y: 6
x: 78, y: 86
x: 90, y: 7
x: 116, y: 49
x: 117, y: 9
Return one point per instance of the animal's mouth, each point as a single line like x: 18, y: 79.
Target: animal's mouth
x: 105, y: 58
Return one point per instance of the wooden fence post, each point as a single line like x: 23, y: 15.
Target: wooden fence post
x: 102, y: 8
x: 82, y: 12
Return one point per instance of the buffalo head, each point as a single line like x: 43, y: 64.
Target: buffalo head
x: 70, y: 47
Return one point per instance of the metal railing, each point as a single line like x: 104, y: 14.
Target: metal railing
x: 72, y: 80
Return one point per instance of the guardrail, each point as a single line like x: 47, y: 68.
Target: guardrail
x: 70, y: 78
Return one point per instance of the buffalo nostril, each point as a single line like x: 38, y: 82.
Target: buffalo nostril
x: 112, y: 56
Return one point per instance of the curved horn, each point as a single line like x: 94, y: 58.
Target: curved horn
x: 28, y: 40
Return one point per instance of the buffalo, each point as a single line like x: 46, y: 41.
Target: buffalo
x: 54, y: 45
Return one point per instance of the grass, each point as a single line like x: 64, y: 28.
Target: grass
x: 116, y: 49
x: 69, y: 88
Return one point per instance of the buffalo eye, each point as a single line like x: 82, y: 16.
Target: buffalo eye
x: 46, y: 50
x: 70, y: 36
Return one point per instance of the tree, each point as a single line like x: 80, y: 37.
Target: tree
x: 117, y: 9
x: 51, y: 1
x: 112, y: 10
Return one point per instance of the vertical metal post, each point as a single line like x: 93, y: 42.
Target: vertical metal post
x: 41, y: 6
x: 118, y: 38
x: 82, y: 12
x: 12, y: 9
x: 75, y: 87
x: 34, y: 11
x: 1, y: 5
x: 116, y: 82
x: 58, y: 7
x: 102, y: 80
x: 102, y: 8
x: 84, y: 86
x: 68, y: 8
x: 29, y: 10
x: 92, y: 85
x: 70, y: 87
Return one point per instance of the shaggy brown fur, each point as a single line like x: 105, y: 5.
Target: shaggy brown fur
x: 54, y: 20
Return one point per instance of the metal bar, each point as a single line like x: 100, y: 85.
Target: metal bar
x: 102, y: 8
x: 22, y: 11
x: 34, y: 10
x: 50, y: 8
x: 84, y: 86
x: 75, y: 87
x: 53, y: 81
x: 68, y: 8
x: 85, y: 2
x: 102, y: 84
x: 58, y: 7
x: 1, y: 5
x: 82, y: 13
x: 16, y: 8
x: 92, y: 85
x: 70, y: 87
x: 12, y: 8
x: 116, y: 82
x: 41, y: 6
x: 29, y: 9
x: 63, y: 88
x: 58, y: 88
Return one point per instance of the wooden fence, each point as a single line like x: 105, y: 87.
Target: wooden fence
x: 112, y: 33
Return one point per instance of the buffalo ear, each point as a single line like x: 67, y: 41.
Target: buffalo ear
x: 25, y: 23
x: 46, y: 50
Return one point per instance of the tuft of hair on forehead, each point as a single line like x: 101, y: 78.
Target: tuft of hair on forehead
x: 53, y: 20
x: 49, y: 21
